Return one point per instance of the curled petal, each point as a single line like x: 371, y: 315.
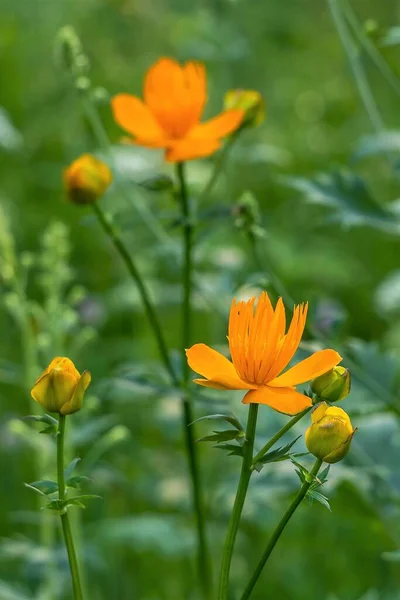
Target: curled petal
x: 76, y: 401
x: 218, y: 371
x: 284, y: 399
x: 54, y: 389
x: 315, y: 365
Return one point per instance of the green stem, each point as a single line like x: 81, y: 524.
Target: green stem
x: 66, y: 526
x: 360, y: 78
x: 278, y: 435
x: 280, y: 527
x: 188, y: 417
x: 244, y: 480
x: 134, y: 272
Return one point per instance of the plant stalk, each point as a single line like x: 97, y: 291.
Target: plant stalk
x: 280, y: 527
x: 243, y: 485
x: 66, y: 525
x: 188, y: 417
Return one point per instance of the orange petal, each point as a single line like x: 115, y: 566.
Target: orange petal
x: 218, y: 127
x: 218, y: 371
x: 189, y: 149
x: 283, y: 399
x: 315, y: 365
x: 175, y: 94
x: 134, y: 116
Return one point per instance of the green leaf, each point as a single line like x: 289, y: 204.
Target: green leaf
x: 45, y: 486
x: 158, y: 183
x: 51, y: 422
x: 349, y: 198
x: 31, y: 487
x: 393, y: 556
x: 79, y: 500
x: 219, y: 417
x: 69, y: 470
x: 222, y: 436
x: 318, y: 497
x: 392, y: 37
x: 378, y: 143
x: 232, y: 449
x: 282, y: 453
x: 74, y: 482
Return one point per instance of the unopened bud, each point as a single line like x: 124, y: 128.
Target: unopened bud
x: 250, y: 101
x: 329, y: 437
x: 333, y: 385
x: 86, y: 179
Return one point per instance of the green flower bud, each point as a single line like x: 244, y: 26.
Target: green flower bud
x: 333, y: 385
x: 329, y: 437
x: 250, y: 101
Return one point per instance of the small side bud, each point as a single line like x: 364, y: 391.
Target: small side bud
x: 329, y: 437
x: 86, y: 179
x: 250, y: 101
x: 61, y: 388
x: 69, y: 52
x: 333, y: 385
x: 247, y: 215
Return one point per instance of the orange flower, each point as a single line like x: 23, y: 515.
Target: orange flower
x: 260, y: 351
x: 169, y: 117
x: 86, y: 179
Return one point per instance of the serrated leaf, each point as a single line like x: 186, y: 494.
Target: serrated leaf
x: 232, y: 449
x: 74, y: 482
x: 282, y: 453
x: 318, y: 497
x: 45, y: 486
x: 220, y: 417
x: 69, y: 470
x: 349, y: 198
x: 221, y: 436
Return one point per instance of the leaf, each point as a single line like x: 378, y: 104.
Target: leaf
x: 69, y: 470
x: 378, y: 143
x: 392, y: 37
x: 74, y: 482
x: 219, y: 417
x: 51, y: 422
x: 45, y: 486
x: 222, y: 436
x: 157, y: 183
x: 318, y: 497
x: 79, y: 500
x: 232, y: 449
x: 393, y: 556
x: 282, y: 453
x: 349, y: 198
x: 31, y: 487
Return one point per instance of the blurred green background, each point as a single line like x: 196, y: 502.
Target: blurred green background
x: 326, y: 176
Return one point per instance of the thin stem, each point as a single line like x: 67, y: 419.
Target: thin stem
x: 361, y: 80
x: 134, y: 272
x: 218, y: 165
x: 188, y: 418
x: 66, y: 526
x: 280, y: 527
x: 278, y: 435
x: 244, y: 480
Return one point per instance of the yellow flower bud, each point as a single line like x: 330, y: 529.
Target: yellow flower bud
x: 248, y: 100
x: 61, y: 387
x: 329, y: 437
x: 333, y: 385
x: 86, y: 179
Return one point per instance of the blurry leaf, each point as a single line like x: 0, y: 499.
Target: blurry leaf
x: 378, y: 143
x: 229, y: 418
x: 10, y: 591
x: 88, y: 432
x: 282, y: 453
x: 348, y: 196
x: 70, y: 469
x: 35, y: 489
x: 387, y: 295
x: 222, y: 436
x: 392, y: 37
x: 80, y: 500
x: 158, y: 183
x: 74, y: 482
x: 41, y: 419
x: 45, y: 486
x: 165, y: 534
x: 10, y: 138
x: 393, y: 556
x: 232, y: 449
x: 318, y: 497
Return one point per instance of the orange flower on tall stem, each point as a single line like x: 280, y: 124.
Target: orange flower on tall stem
x: 261, y: 349
x: 169, y: 116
